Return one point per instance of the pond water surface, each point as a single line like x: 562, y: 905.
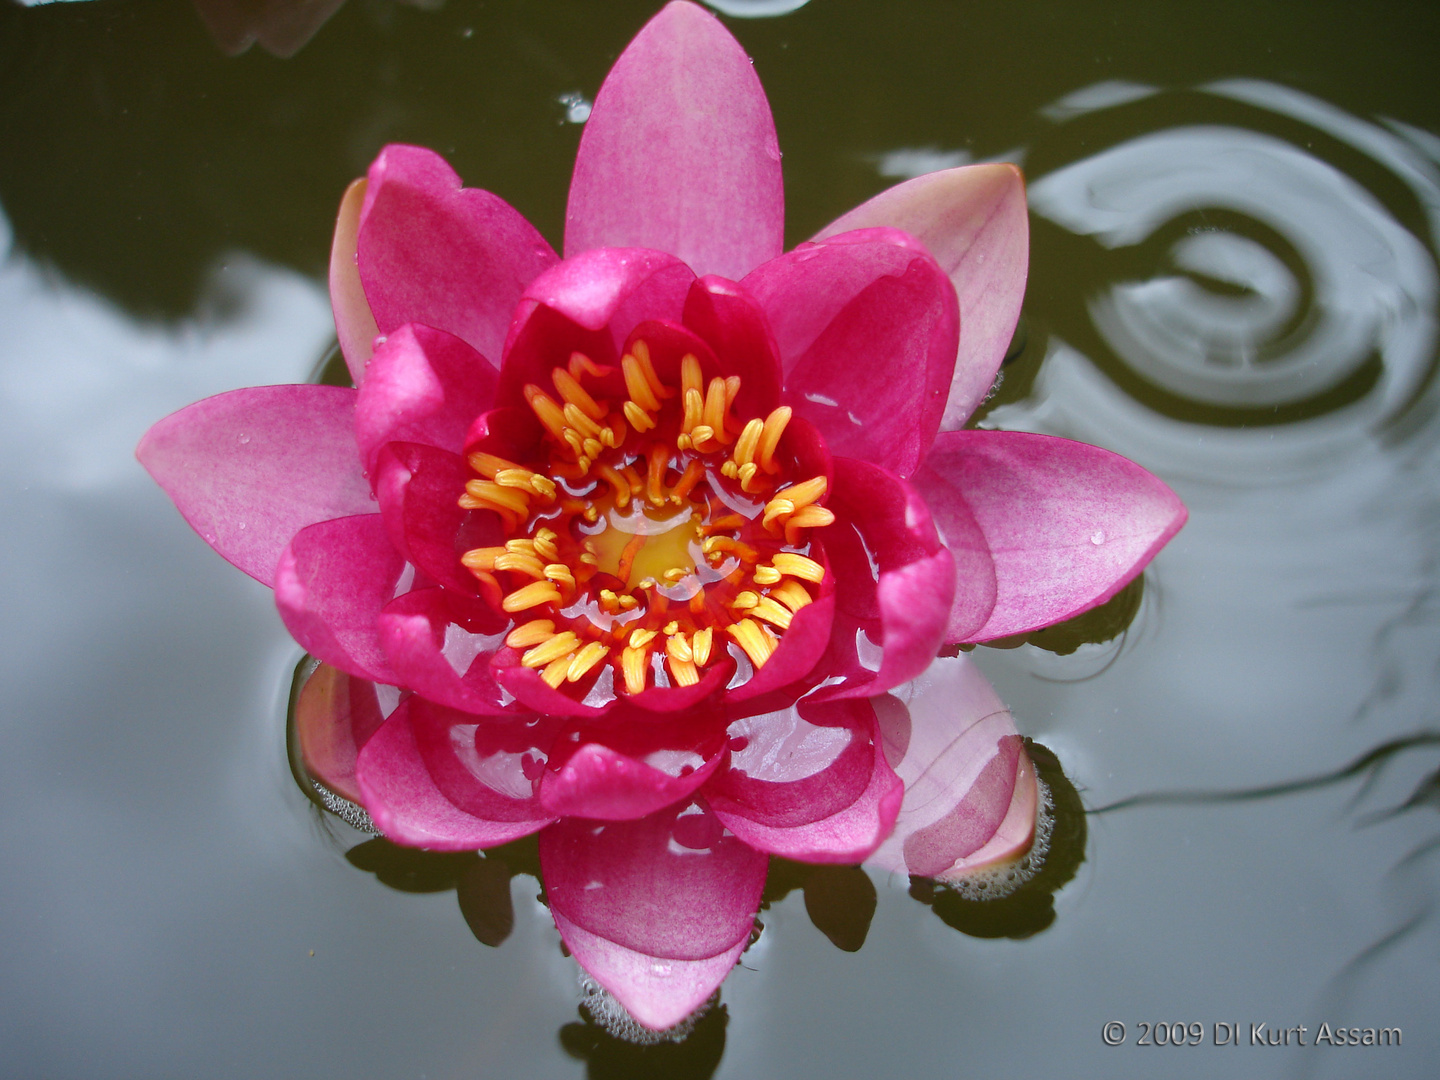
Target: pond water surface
x: 1234, y: 212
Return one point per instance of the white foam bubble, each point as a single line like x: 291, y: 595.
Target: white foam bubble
x: 606, y: 1011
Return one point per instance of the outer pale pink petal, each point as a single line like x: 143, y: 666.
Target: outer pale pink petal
x: 911, y: 598
x: 423, y: 386
x: 818, y: 791
x: 330, y: 585
x: 975, y: 586
x: 434, y: 252
x: 680, y: 153
x: 407, y: 802
x: 656, y: 909
x: 251, y: 468
x: 973, y: 220
x: 1068, y: 524
x: 335, y: 715
x: 866, y: 323
x: 354, y: 321
x: 970, y: 793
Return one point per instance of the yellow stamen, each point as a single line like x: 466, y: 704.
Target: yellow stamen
x: 642, y: 353
x: 530, y: 633
x: 804, y: 494
x: 777, y: 508
x: 683, y: 672
x: 487, y: 491
x: 732, y: 390
x: 772, y: 612
x: 748, y: 473
x: 693, y: 474
x: 579, y: 363
x: 749, y: 635
x: 770, y: 438
x: 570, y: 389
x: 694, y: 410
x: 691, y: 377
x: 546, y: 411
x: 641, y: 638
x: 521, y: 564
x: 482, y: 558
x: 577, y: 419
x: 544, y: 544
x: 792, y: 594
x: 635, y: 666
x: 807, y: 517
x: 637, y: 417
x: 766, y: 575
x: 746, y: 599
x: 532, y: 595
x: 638, y: 386
x: 618, y: 482
x: 555, y: 672
x: 562, y: 644
x: 700, y: 643
x: 715, y: 403
x: 560, y: 574
x: 586, y: 659
x: 748, y: 441
x: 677, y: 648
x: 488, y: 465
x: 800, y: 566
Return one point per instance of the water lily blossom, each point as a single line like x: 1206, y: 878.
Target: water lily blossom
x: 646, y: 534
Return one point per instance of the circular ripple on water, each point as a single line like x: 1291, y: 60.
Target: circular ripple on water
x: 1243, y: 258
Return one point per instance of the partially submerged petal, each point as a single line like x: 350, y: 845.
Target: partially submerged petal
x: 434, y: 778
x: 974, y: 221
x: 432, y: 251
x: 251, y: 468
x: 866, y: 323
x: 330, y: 585
x: 335, y: 715
x: 809, y: 783
x: 657, y: 910
x: 971, y: 799
x: 354, y: 321
x: 1068, y: 525
x: 679, y: 153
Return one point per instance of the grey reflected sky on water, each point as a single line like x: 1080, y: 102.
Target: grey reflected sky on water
x: 166, y: 882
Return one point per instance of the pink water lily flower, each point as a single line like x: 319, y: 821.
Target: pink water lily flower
x: 646, y: 534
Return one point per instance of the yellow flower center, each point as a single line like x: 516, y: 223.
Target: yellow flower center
x: 647, y: 526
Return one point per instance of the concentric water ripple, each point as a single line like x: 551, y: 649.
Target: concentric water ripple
x: 1261, y: 281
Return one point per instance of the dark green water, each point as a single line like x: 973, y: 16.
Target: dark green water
x: 1233, y: 281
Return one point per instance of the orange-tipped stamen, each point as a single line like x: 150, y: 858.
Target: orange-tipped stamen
x: 546, y: 410
x: 792, y: 594
x: 481, y: 558
x: 635, y: 666
x: 693, y: 474
x: 570, y: 390
x: 530, y: 633
x: 555, y: 672
x: 798, y: 566
x: 487, y: 491
x: 562, y: 644
x: 700, y: 643
x: 532, y: 595
x: 807, y: 517
x: 518, y: 563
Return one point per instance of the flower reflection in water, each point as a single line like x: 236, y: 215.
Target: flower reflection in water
x: 643, y: 590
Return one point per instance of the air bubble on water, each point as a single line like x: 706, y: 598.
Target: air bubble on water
x: 608, y: 1013
x: 1097, y: 537
x: 577, y: 108
x: 996, y: 882
x: 351, y: 813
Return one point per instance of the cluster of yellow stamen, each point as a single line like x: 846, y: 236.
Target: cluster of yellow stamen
x: 644, y: 527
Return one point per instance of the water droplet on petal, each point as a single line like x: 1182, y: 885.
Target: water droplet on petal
x: 1097, y: 537
x: 244, y: 439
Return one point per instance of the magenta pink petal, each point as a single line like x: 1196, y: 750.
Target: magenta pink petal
x: 619, y: 772
x: 680, y: 152
x: 422, y: 386
x: 800, y: 649
x: 434, y: 252
x: 354, y: 321
x: 251, y: 468
x: 437, y: 656
x: 810, y: 783
x: 1068, y: 525
x: 734, y: 325
x: 419, y: 489
x: 975, y: 586
x: 407, y: 802
x: 673, y: 888
x: 908, y: 606
x: 973, y: 220
x: 970, y: 791
x: 330, y: 585
x: 867, y: 325
x: 335, y: 715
